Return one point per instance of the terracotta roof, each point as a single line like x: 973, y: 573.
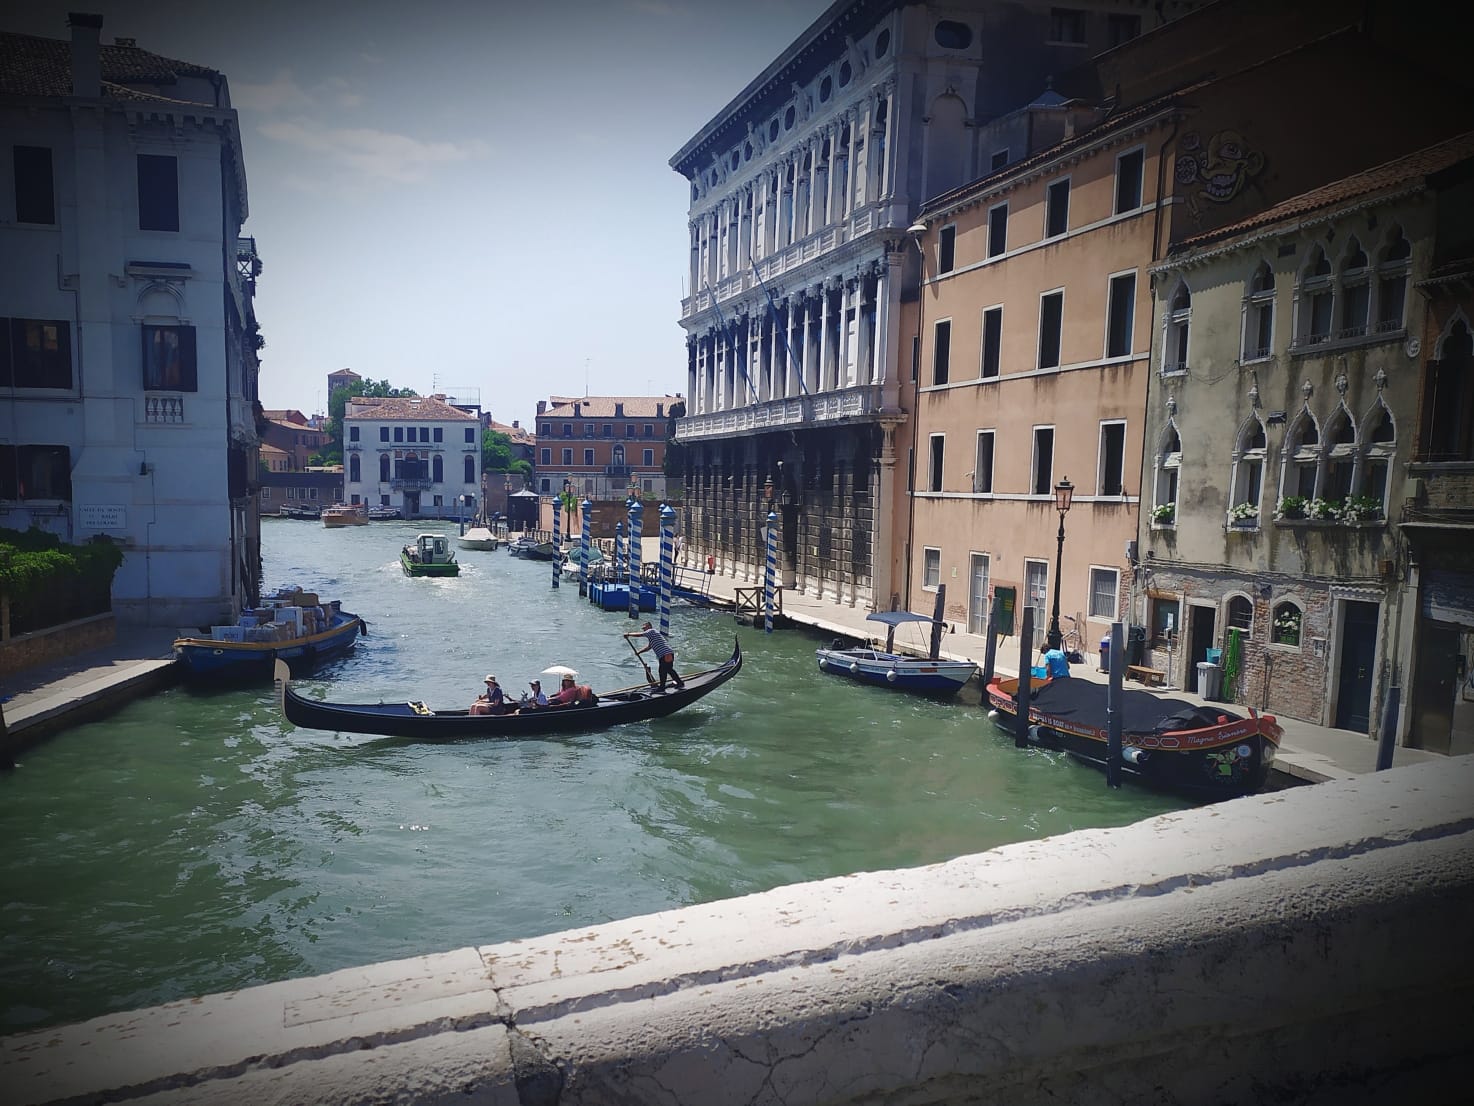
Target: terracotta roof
x: 35, y: 66
x: 516, y: 433
x: 418, y: 409
x: 1390, y: 176
x: 295, y: 427
x: 284, y: 415
x: 267, y: 447
x: 602, y: 407
x: 346, y: 372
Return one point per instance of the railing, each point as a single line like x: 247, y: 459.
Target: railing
x: 847, y: 404
x: 410, y: 482
x: 163, y: 409
x: 616, y: 470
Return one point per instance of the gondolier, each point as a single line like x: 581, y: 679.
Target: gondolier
x: 656, y: 643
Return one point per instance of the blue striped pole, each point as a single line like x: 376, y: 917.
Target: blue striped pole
x: 636, y: 510
x: 618, y: 552
x: 557, y: 517
x: 770, y: 577
x: 667, y: 564
x: 588, y: 525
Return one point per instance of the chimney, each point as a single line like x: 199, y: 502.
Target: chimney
x: 86, y: 66
x: 660, y: 410
x: 516, y: 425
x: 619, y: 410
x: 542, y: 406
x: 577, y: 410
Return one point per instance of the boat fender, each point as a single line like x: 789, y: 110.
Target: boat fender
x: 823, y: 662
x: 891, y: 675
x: 992, y: 716
x: 854, y: 666
x: 1034, y: 734
x: 1133, y: 755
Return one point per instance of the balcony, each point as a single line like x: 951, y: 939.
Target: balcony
x: 163, y: 409
x: 411, y: 483
x: 616, y: 470
x: 857, y: 404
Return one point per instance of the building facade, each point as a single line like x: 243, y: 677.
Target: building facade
x: 130, y: 370
x: 802, y: 189
x: 297, y: 440
x: 602, y: 446
x: 418, y: 454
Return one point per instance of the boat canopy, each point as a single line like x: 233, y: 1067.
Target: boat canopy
x: 898, y: 618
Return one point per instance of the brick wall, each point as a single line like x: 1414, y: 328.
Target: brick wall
x: 32, y: 650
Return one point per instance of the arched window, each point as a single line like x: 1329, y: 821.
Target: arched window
x: 1241, y: 613
x: 1301, y: 462
x: 1316, y: 297
x: 1340, y: 457
x: 1356, y: 292
x: 470, y: 476
x: 1169, y: 461
x: 1247, y: 478
x: 437, y: 469
x: 1448, y: 405
x: 1285, y: 626
x: 1175, y: 331
x: 384, y: 466
x: 1259, y: 314
x: 353, y: 469
x: 1392, y: 275
x: 1379, y: 443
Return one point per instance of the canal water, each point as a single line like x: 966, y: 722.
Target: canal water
x: 196, y: 842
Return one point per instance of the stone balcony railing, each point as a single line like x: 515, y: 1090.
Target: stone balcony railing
x: 858, y: 403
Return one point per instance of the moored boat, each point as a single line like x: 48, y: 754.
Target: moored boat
x: 384, y: 514
x: 291, y: 625
x: 478, y: 537
x: 928, y: 675
x: 415, y: 720
x: 1201, y: 752
x: 531, y: 548
x: 429, y: 555
x: 345, y: 514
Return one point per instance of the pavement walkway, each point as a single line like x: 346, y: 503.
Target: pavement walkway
x: 42, y: 701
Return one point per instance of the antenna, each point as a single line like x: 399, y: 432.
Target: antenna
x: 585, y: 378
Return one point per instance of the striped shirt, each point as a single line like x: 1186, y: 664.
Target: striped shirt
x: 658, y: 645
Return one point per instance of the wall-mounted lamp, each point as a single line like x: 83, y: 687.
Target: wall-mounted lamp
x: 144, y: 468
x: 916, y: 230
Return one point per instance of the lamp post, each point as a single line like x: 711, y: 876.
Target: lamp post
x: 1064, y: 491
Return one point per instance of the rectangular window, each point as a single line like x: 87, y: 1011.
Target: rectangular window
x: 546, y: 457
x: 1128, y: 180
x: 265, y: 494
x: 992, y: 341
x: 1120, y: 315
x: 567, y: 456
x: 649, y: 430
x: 383, y: 433
x: 941, y: 352
x: 946, y: 249
x: 931, y: 568
x: 425, y: 434
x: 1036, y: 595
x: 915, y: 357
x: 35, y: 200
x: 934, y: 471
x: 588, y: 457
x: 998, y: 160
x: 169, y: 359
x: 1043, y: 483
x: 1112, y: 458
x: 35, y: 472
x: 399, y: 434
x: 35, y: 353
x: 1164, y: 616
x: 982, y: 473
x: 1057, y: 209
x: 353, y: 433
x: 649, y: 458
x: 997, y: 230
x: 1121, y: 29
x: 158, y: 192
x: 1051, y: 319
x: 629, y: 431
x: 608, y: 430
x: 1066, y: 25
x: 1104, y: 584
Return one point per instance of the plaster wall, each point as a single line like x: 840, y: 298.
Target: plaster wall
x: 1267, y: 949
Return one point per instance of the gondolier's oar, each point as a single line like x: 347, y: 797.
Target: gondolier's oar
x: 650, y: 676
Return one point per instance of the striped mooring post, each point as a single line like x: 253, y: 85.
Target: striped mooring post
x: 557, y: 516
x: 636, y: 510
x: 770, y: 576
x: 667, y: 564
x: 618, y: 552
x: 588, y: 525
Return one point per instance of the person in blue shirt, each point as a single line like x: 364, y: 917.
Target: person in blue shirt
x: 1056, y: 664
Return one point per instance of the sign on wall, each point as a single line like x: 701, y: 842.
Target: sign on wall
x: 102, y: 516
x: 1004, y: 600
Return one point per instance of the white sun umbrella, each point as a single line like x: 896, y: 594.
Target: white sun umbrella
x: 558, y: 671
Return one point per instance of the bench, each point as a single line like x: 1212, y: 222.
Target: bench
x: 1152, y: 677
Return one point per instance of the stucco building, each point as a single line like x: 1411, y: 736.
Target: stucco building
x: 419, y: 454
x: 603, y: 445
x: 799, y: 347
x: 129, y: 369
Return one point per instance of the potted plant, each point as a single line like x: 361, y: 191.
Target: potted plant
x: 1244, y: 514
x: 1287, y: 628
x: 1164, y: 513
x: 1319, y: 510
x: 1361, y: 508
x: 1292, y: 506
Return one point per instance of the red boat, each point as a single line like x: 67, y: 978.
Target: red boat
x: 1202, y: 752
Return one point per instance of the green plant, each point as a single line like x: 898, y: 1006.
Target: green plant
x: 1360, y: 508
x: 1164, y: 512
x: 1319, y: 509
x: 1241, y: 512
x: 1286, y: 629
x: 1292, y: 506
x: 49, y: 583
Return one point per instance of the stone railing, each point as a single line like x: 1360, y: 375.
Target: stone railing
x: 1241, y: 952
x: 844, y: 405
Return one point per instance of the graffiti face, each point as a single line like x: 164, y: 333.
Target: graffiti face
x: 1217, y: 172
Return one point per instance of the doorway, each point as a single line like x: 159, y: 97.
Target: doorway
x: 1358, y: 655
x: 1202, y: 623
x: 977, y: 595
x: 411, y: 504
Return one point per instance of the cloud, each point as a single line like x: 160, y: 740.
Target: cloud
x: 373, y: 153
x: 281, y: 94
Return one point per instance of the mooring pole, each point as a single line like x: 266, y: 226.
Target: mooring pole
x: 1114, y: 719
x: 1025, y: 678
x: 1387, y: 738
x: 937, y: 625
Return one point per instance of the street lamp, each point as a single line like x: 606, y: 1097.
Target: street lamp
x: 1064, y: 492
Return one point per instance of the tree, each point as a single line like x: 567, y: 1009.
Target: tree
x: 332, y: 452
x: 496, y: 451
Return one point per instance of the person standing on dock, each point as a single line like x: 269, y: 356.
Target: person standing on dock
x: 656, y: 643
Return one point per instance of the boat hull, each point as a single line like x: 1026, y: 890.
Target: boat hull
x: 1223, y: 759
x: 919, y: 675
x: 204, y: 660
x: 421, y: 568
x: 414, y: 721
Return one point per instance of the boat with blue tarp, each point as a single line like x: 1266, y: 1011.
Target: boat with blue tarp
x: 926, y: 675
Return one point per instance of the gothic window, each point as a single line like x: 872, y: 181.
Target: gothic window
x: 1259, y: 314
x: 1285, y: 626
x: 1392, y: 277
x: 1302, y: 457
x: 1356, y: 292
x: 1448, y: 398
x: 1241, y: 613
x: 1379, y: 443
x: 1316, y: 297
x: 1340, y: 457
x: 1168, y: 464
x: 383, y: 466
x: 1247, y: 478
x: 1178, y: 319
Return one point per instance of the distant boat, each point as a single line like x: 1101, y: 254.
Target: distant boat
x: 345, y: 514
x: 294, y: 510
x: 384, y: 514
x: 928, y: 675
x: 429, y: 555
x: 479, y: 537
x: 528, y: 546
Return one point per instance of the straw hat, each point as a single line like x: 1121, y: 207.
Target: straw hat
x: 491, y: 679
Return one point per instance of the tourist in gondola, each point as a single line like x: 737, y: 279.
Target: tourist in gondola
x: 490, y: 701
x: 537, y: 698
x: 656, y: 643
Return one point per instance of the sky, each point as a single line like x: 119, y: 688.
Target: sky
x: 465, y: 197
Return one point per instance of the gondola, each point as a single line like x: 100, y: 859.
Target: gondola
x: 417, y: 721
x: 1203, y: 753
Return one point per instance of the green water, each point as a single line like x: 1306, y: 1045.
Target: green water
x: 195, y: 842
